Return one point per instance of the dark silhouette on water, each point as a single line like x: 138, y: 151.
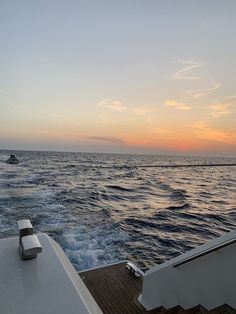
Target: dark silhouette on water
x: 12, y: 160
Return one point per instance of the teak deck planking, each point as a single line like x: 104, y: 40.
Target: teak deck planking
x: 116, y: 290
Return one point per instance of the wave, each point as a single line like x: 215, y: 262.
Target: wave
x: 120, y: 188
x: 179, y: 207
x: 101, y: 213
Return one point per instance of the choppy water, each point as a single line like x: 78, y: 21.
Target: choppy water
x: 102, y: 209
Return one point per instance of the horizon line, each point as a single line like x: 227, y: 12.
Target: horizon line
x: 120, y: 153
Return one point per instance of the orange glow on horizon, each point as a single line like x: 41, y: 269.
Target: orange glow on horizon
x: 195, y: 137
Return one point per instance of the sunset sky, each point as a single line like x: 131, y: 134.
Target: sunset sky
x: 128, y: 76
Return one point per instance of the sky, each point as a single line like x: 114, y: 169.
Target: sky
x: 127, y: 76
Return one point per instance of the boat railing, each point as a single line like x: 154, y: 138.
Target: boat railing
x: 200, y: 254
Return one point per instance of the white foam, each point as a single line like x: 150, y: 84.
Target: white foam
x: 89, y: 246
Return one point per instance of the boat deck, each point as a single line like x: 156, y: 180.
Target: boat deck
x: 116, y: 290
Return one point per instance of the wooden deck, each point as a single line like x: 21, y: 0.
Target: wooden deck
x: 116, y: 290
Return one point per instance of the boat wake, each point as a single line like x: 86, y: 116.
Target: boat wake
x: 99, y: 216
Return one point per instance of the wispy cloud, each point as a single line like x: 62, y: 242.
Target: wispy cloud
x: 108, y: 139
x: 201, y: 93
x: 189, y: 71
x: 205, y: 131
x: 231, y: 99
x: 140, y: 111
x: 176, y: 104
x: 224, y: 107
x: 220, y: 109
x: 112, y: 104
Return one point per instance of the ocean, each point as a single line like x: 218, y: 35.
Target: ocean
x: 104, y: 208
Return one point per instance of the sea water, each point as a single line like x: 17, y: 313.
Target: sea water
x: 104, y: 208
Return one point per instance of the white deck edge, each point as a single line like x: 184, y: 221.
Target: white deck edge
x: 77, y: 281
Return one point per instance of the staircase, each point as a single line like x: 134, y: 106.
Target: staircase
x: 205, y: 275
x: 223, y: 309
